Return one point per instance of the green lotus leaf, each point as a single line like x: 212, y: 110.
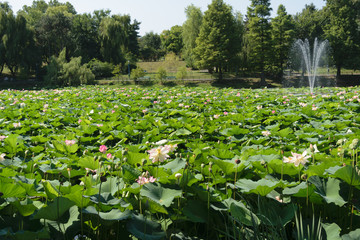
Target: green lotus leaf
x: 175, y: 165
x: 261, y: 187
x: 89, y: 162
x: 144, y: 228
x: 332, y: 231
x: 26, y: 207
x: 235, y: 131
x: 285, y: 168
x: 54, y: 210
x: 11, y: 189
x: 353, y: 235
x: 181, y: 132
x: 159, y: 194
x: 229, y: 166
x: 135, y: 158
x: 242, y: 214
x: 196, y: 211
x: 129, y: 173
x: 347, y: 174
x: 329, y: 190
x: 113, y: 215
x: 50, y: 190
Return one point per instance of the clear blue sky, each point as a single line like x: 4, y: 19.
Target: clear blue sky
x: 158, y: 15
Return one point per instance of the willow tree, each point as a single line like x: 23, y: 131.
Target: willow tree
x: 219, y: 39
x: 191, y: 30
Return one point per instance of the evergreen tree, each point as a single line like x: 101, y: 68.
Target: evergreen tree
x: 282, y: 39
x: 191, y: 30
x: 342, y: 32
x: 218, y: 42
x: 259, y: 31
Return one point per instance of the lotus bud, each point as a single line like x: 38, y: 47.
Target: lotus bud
x: 202, y: 165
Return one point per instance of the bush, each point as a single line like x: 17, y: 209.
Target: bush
x: 63, y: 73
x: 101, y: 69
x: 161, y: 74
x: 137, y: 73
x: 181, y: 73
x: 74, y: 74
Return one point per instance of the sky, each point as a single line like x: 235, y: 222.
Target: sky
x: 159, y: 15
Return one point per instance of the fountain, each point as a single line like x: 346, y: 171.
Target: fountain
x: 310, y: 65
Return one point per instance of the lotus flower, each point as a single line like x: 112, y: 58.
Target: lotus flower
x: 159, y: 154
x: 297, y: 159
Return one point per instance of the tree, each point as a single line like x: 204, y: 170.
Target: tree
x: 53, y: 33
x: 84, y: 34
x: 171, y: 39
x: 191, y: 30
x: 218, y: 42
x: 17, y: 42
x: 258, y: 25
x: 150, y: 47
x: 282, y: 39
x: 342, y: 32
x: 119, y: 39
x: 308, y: 23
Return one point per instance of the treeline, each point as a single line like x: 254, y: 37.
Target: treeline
x: 63, y: 47
x: 255, y: 44
x: 54, y: 42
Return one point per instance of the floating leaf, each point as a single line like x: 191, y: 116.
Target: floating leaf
x: 55, y: 210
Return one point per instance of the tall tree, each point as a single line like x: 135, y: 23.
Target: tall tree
x: 191, y: 30
x: 172, y: 39
x: 150, y: 47
x: 217, y: 44
x: 259, y: 31
x: 342, y: 32
x: 85, y: 40
x: 17, y: 42
x: 282, y: 37
x: 119, y: 39
x: 53, y: 34
x: 308, y: 23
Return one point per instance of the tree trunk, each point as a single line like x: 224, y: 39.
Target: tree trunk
x: 262, y: 77
x: 338, y: 74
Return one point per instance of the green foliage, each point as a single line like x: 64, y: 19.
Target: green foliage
x: 150, y: 47
x: 172, y: 40
x: 63, y: 73
x: 181, y: 73
x: 259, y: 36
x: 191, y: 30
x: 161, y: 74
x: 137, y: 73
x: 101, y: 69
x: 342, y: 31
x: 218, y: 42
x: 282, y: 38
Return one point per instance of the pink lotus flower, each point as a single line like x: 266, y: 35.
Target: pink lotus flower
x: 70, y: 142
x: 102, y: 149
x: 109, y: 156
x: 2, y: 138
x: 143, y: 179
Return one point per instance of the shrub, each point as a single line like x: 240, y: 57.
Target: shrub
x: 63, y: 73
x: 137, y: 73
x: 161, y: 74
x: 181, y: 73
x: 101, y: 69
